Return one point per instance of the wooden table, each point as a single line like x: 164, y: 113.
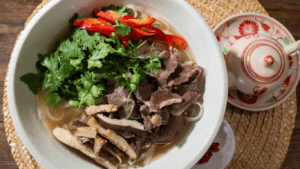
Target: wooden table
x: 13, y: 14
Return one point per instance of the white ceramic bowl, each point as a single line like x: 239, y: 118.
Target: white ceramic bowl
x: 46, y: 26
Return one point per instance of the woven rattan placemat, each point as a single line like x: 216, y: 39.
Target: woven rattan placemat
x: 262, y: 138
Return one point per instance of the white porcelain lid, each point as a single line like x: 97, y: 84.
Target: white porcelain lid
x: 264, y: 60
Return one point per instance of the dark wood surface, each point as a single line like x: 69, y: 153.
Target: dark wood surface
x: 13, y: 14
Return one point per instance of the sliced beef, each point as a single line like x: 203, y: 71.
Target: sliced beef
x: 82, y: 121
x: 188, y: 99
x: 145, y: 110
x: 170, y: 131
x: 169, y: 64
x: 119, y: 97
x: 184, y: 74
x: 165, y: 117
x: 145, y: 90
x: 139, y: 142
x: 147, y: 122
x: 162, y: 98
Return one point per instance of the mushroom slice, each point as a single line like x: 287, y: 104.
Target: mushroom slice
x: 122, y: 122
x: 88, y: 132
x: 71, y: 140
x: 99, y: 143
x: 105, y: 163
x: 104, y: 108
x: 111, y: 135
x: 114, y: 154
x: 84, y: 139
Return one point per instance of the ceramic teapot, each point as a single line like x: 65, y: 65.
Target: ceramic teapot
x: 258, y: 64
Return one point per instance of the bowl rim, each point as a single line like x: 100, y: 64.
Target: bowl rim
x: 16, y: 54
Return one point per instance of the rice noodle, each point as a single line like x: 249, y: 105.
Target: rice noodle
x: 161, y: 21
x: 198, y: 116
x: 147, y: 156
x: 133, y: 8
x: 145, y: 50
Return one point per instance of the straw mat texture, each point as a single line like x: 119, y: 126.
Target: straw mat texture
x: 262, y: 138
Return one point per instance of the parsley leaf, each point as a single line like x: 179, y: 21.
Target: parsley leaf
x: 122, y: 29
x: 32, y: 81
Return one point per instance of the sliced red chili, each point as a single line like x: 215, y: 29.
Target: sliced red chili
x: 98, y: 25
x: 177, y: 40
x: 138, y: 22
x: 128, y: 17
x: 159, y: 35
x: 78, y: 22
x: 109, y: 15
x: 143, y: 33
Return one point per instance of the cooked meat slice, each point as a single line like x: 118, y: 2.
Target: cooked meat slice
x: 71, y: 140
x: 184, y: 74
x: 156, y: 120
x: 144, y: 109
x: 104, y: 108
x: 84, y: 139
x: 165, y: 117
x: 105, y: 163
x: 88, y: 132
x: 118, y: 154
x: 162, y: 98
x: 78, y: 123
x: 82, y: 121
x: 147, y: 122
x: 99, y: 143
x: 169, y: 64
x: 111, y: 135
x: 170, y: 131
x: 188, y: 99
x: 122, y: 122
x: 145, y: 90
x: 119, y: 97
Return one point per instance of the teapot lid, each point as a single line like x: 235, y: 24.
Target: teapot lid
x: 264, y: 60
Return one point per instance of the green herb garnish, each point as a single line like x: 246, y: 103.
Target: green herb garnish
x: 80, y: 65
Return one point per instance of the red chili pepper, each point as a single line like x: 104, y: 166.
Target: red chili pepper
x: 142, y: 33
x: 78, y: 22
x: 125, y: 44
x: 128, y: 17
x: 97, y: 25
x: 108, y: 15
x: 159, y: 35
x: 177, y: 40
x: 138, y: 22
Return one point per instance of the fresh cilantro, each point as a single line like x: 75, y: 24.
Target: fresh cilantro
x: 156, y: 25
x: 119, y: 10
x: 122, y: 29
x: 32, y: 81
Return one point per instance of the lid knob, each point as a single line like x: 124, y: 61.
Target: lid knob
x: 269, y: 60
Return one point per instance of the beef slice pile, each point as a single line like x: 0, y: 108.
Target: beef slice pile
x: 155, y: 113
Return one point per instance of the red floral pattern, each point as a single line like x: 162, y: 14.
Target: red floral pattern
x: 290, y: 61
x: 248, y: 28
x: 247, y: 98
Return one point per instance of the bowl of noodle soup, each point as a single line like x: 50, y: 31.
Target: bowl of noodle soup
x: 177, y: 17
